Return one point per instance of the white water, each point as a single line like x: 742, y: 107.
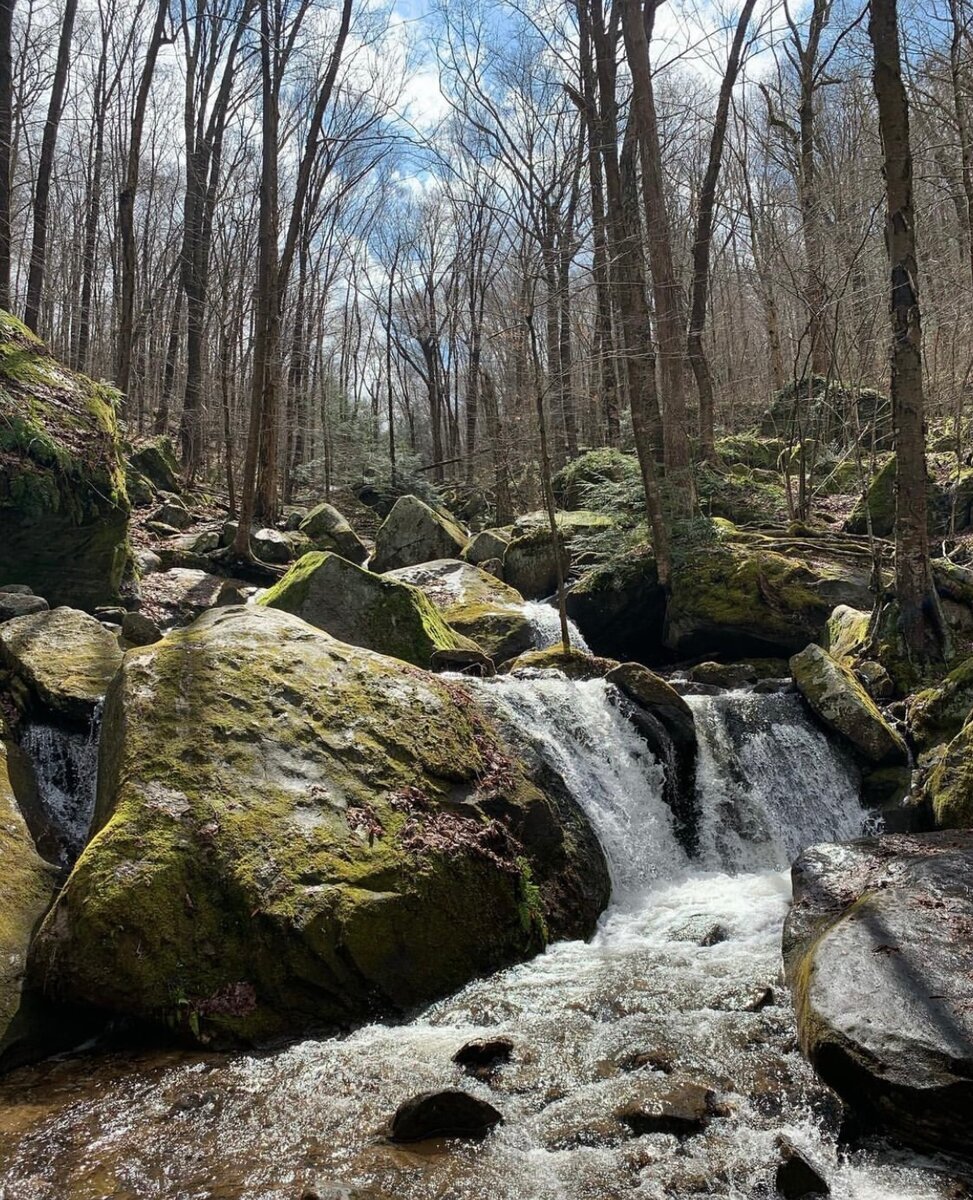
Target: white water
x: 310, y: 1117
x: 546, y: 624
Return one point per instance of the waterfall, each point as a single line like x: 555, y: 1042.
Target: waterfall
x: 65, y: 773
x: 545, y: 621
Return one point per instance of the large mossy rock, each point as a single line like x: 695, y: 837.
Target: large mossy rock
x: 327, y: 529
x: 530, y: 562
x: 824, y: 410
x: 842, y: 705
x: 475, y: 604
x: 59, y: 663
x: 949, y: 787
x: 846, y: 634
x: 367, y: 610
x: 937, y: 714
x: 156, y: 460
x: 620, y: 608
x: 63, y: 506
x: 879, y: 503
x: 292, y: 833
x: 880, y: 959
x: 413, y: 533
x: 584, y: 478
x: 752, y: 450
x: 27, y: 887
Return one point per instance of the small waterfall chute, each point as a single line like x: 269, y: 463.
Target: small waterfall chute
x: 545, y: 621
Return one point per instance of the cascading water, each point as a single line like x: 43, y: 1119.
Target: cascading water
x: 545, y: 621
x: 680, y: 985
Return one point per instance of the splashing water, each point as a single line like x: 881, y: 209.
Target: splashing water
x: 651, y: 982
x: 545, y: 621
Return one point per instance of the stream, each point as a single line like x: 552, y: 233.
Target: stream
x: 681, y: 984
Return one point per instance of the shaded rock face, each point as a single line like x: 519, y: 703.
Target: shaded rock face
x: 60, y: 662
x: 487, y: 545
x: 949, y: 787
x: 63, y: 505
x: 475, y: 604
x: 620, y: 609
x: 27, y: 887
x: 878, y: 949
x: 363, y: 609
x: 413, y: 533
x: 451, y: 1113
x: 292, y: 833
x: 327, y: 529
x: 842, y: 705
x: 937, y: 714
x: 156, y: 460
x: 879, y: 505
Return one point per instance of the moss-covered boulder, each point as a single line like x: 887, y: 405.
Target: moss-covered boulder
x: 751, y: 449
x: 58, y: 663
x: 949, y: 786
x: 583, y: 479
x: 63, y: 506
x: 155, y: 458
x: 27, y: 887
x: 530, y: 562
x: 821, y: 410
x: 573, y: 663
x: 486, y: 545
x: 367, y: 610
x: 620, y: 608
x: 475, y: 604
x: 413, y: 533
x: 293, y: 833
x: 847, y: 633
x: 327, y: 529
x: 842, y: 705
x: 879, y: 503
x: 937, y: 714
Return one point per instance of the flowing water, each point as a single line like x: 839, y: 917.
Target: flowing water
x: 681, y: 984
x: 545, y: 620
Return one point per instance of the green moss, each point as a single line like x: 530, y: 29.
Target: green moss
x: 950, y: 783
x: 751, y: 449
x: 575, y: 664
x: 937, y: 714
x: 581, y: 482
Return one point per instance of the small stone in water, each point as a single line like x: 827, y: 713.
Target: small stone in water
x: 654, y: 1060
x: 717, y: 934
x: 482, y: 1056
x: 683, y: 1110
x: 763, y: 999
x: 797, y: 1177
x: 450, y: 1113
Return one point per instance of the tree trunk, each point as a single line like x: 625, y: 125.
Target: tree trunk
x: 6, y: 144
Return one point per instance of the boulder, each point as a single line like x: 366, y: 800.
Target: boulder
x: 292, y: 833
x: 27, y: 887
x: 16, y: 604
x: 63, y: 506
x: 486, y: 545
x: 156, y: 460
x: 272, y: 546
x: 413, y: 533
x: 60, y: 662
x: 138, y: 630
x: 935, y: 715
x: 842, y: 705
x: 827, y: 411
x: 173, y: 513
x: 363, y: 609
x: 797, y: 1176
x: 475, y: 604
x: 880, y: 959
x: 846, y: 633
x: 879, y: 504
x: 751, y: 450
x: 327, y: 529
x: 530, y: 563
x: 451, y: 1113
x: 575, y: 664
x: 655, y: 695
x: 680, y: 1107
x: 179, y: 595
x: 949, y: 786
x: 483, y: 1056
x: 620, y: 608
x: 583, y: 480
x: 139, y: 487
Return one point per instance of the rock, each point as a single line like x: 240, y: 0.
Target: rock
x: 27, y: 887
x: 620, y: 609
x: 876, y: 680
x: 63, y: 507
x: 174, y: 514
x: 659, y: 1059
x: 960, y: 500
x: 879, y: 504
x: 681, y: 1108
x: 373, y: 611
x: 797, y: 1176
x: 486, y: 546
x: 161, y: 529
x: 204, y: 542
x: 156, y: 460
x: 493, y: 566
x: 576, y: 664
x: 482, y: 1057
x: 413, y: 533
x: 530, y: 563
x: 179, y: 595
x: 16, y: 589
x: 571, y: 523
x: 474, y: 604
x: 138, y: 630
x: 61, y: 662
x: 327, y: 529
x: 450, y: 1113
x: 880, y: 961
x: 752, y: 450
x: 937, y: 714
x: 15, y: 604
x: 272, y: 546
x: 846, y: 633
x: 292, y: 519
x: 147, y: 561
x: 579, y: 482
x: 949, y: 787
x: 825, y: 405
x: 652, y: 693
x: 841, y: 704
x: 292, y: 833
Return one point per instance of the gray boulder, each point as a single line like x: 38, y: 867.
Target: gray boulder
x: 413, y: 533
x: 327, y: 529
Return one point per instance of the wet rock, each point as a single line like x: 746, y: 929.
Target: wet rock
x: 575, y: 664
x: 413, y: 533
x: 879, y: 955
x: 663, y: 1061
x: 763, y: 998
x: 949, y: 787
x: 620, y: 608
x: 138, y: 630
x: 304, y: 833
x: 377, y: 612
x: 839, y: 701
x: 450, y: 1113
x: 17, y: 604
x: 482, y: 1057
x: 327, y: 529
x: 61, y: 662
x: 582, y: 1130
x: 682, y: 1109
x: 797, y: 1176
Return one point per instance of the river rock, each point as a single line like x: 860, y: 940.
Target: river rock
x: 413, y: 533
x: 935, y: 715
x: 797, y: 1176
x: 530, y: 563
x: 373, y: 611
x: 451, y: 1113
x: 574, y: 664
x: 475, y: 604
x: 841, y: 704
x: 60, y: 662
x: 16, y: 604
x: 949, y: 787
x: 293, y: 833
x: 878, y: 948
x: 27, y: 887
x: 327, y: 529
x: 482, y: 1056
x: 487, y: 545
x: 156, y: 460
x: 679, y: 1107
x: 63, y: 507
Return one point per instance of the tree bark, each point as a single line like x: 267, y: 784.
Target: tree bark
x: 6, y: 144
